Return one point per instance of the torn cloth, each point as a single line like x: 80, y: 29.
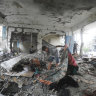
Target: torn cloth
x: 71, y: 60
x: 72, y: 65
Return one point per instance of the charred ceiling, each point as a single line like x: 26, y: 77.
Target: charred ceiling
x: 2, y: 15
x: 17, y: 4
x: 59, y: 6
x: 55, y: 13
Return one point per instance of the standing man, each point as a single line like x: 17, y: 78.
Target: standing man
x: 52, y: 54
x: 75, y: 48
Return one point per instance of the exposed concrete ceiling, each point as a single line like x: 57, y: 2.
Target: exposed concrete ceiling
x: 56, y: 13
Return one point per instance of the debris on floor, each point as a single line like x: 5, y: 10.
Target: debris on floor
x: 19, y: 80
x: 11, y: 89
x: 63, y: 83
x: 88, y: 93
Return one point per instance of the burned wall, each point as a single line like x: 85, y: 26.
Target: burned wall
x: 29, y: 41
x: 22, y: 42
x: 59, y: 6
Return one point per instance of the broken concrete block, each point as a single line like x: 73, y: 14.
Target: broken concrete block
x: 11, y: 89
x: 10, y: 63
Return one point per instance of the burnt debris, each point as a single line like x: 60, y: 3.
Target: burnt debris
x: 11, y: 90
x: 63, y: 83
x: 64, y: 92
x: 17, y: 68
x: 2, y: 15
x: 20, y: 65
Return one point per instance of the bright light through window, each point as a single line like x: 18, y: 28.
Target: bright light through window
x: 0, y: 31
x: 89, y: 37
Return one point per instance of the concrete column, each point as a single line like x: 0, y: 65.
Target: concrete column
x: 7, y: 35
x: 39, y: 44
x: 31, y: 39
x: 81, y: 47
x: 9, y: 31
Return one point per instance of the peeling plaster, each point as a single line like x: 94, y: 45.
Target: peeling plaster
x: 2, y: 15
x: 17, y: 4
x: 63, y: 14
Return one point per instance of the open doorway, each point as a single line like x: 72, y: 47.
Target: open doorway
x: 89, y: 48
x: 89, y: 40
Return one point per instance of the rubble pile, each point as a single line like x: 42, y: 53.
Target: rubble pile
x: 63, y: 83
x: 88, y: 93
x: 37, y: 85
x: 93, y: 62
x: 32, y: 85
x: 22, y: 86
x: 86, y: 80
x: 7, y: 56
x: 88, y: 68
x: 11, y: 89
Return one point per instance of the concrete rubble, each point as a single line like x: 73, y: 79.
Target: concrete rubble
x: 30, y: 86
x: 26, y: 85
x: 24, y: 25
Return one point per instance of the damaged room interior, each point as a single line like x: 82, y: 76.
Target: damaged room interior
x: 47, y: 47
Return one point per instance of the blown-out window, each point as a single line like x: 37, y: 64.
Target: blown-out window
x: 0, y: 31
x: 3, y: 34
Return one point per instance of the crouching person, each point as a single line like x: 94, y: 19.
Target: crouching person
x: 37, y: 65
x: 72, y: 65
x: 52, y: 54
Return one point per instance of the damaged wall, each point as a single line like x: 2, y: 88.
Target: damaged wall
x: 25, y: 42
x: 53, y: 15
x: 21, y: 39
x: 54, y: 39
x: 38, y: 30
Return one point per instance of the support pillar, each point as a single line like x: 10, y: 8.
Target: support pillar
x: 39, y: 44
x: 31, y: 39
x: 81, y: 47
